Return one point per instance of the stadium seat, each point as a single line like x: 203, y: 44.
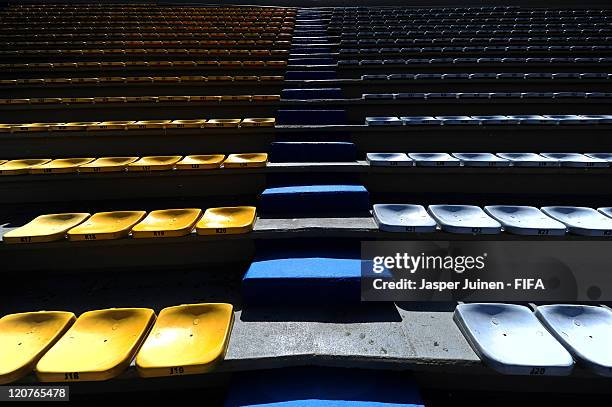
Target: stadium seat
x: 25, y: 337
x: 222, y: 123
x: 584, y: 330
x: 60, y: 166
x: 383, y: 121
x: 600, y: 156
x: 338, y: 199
x: 511, y: 340
x: 288, y: 277
x: 227, y: 220
x: 45, y: 228
x: 327, y: 151
x: 532, y: 119
x: 149, y: 124
x: 200, y: 162
x: 167, y: 223
x: 246, y: 160
x: 17, y: 167
x: 581, y: 220
x: 452, y: 120
x: 576, y: 160
x: 525, y: 220
x: 99, y: 346
x: 106, y: 226
x: 403, y: 218
x: 464, y: 219
x: 186, y: 124
x: 420, y: 120
x: 107, y: 164
x: 481, y: 160
x: 258, y: 122
x: 154, y: 163
x: 323, y: 387
x: 186, y: 339
x: 389, y: 159
x: 110, y: 125
x: 529, y: 160
x: 434, y: 160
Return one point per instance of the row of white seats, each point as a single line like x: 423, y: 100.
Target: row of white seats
x: 519, y: 220
x: 589, y: 160
x: 487, y: 120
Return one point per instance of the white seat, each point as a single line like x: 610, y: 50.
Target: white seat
x: 434, y: 160
x: 464, y: 219
x: 529, y: 160
x: 576, y: 160
x: 525, y: 220
x: 481, y: 160
x: 403, y: 218
x: 389, y: 159
x: 581, y: 220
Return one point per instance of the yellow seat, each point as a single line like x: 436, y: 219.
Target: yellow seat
x: 222, y: 123
x: 186, y: 339
x: 25, y: 337
x: 227, y: 220
x: 246, y: 160
x: 149, y: 124
x: 110, y: 125
x: 258, y: 122
x: 98, y: 346
x: 173, y: 99
x: 45, y: 228
x: 107, y: 164
x: 60, y: 166
x: 200, y: 162
x: 106, y: 226
x: 72, y: 126
x: 29, y: 127
x: 235, y: 98
x: 186, y: 124
x: 266, y: 98
x: 16, y: 167
x: 154, y: 163
x: 167, y: 223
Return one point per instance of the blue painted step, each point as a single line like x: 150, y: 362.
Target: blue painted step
x: 312, y: 151
x: 311, y: 117
x: 309, y: 75
x: 304, y: 199
x: 318, y: 93
x: 323, y: 387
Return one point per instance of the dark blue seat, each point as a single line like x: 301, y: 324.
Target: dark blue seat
x: 312, y: 152
x: 308, y: 199
x: 322, y: 387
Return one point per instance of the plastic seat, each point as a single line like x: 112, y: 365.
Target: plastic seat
x: 200, y: 162
x: 110, y: 125
x: 383, y: 121
x: 186, y: 339
x: 493, y: 120
x: 45, y: 228
x: 434, y: 160
x: 446, y: 120
x: 186, y: 124
x: 167, y: 223
x: 576, y: 160
x: 389, y: 159
x: 599, y: 156
x: 564, y: 119
x: 419, y: 120
x: 466, y: 219
x: 154, y: 163
x: 258, y: 122
x: 149, y: 124
x: 581, y: 220
x: 532, y: 119
x: 17, y: 167
x: 585, y: 331
x: 525, y: 220
x: 60, y: 166
x: 72, y: 126
x: 529, y: 160
x: 403, y: 218
x: 99, y: 346
x: 107, y: 164
x: 25, y: 337
x: 227, y: 220
x: 222, y: 123
x: 510, y: 339
x: 481, y: 160
x: 246, y: 160
x: 106, y: 226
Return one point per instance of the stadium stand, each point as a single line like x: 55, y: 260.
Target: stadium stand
x: 194, y: 182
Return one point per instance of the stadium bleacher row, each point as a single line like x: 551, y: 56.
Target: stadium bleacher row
x: 324, y: 128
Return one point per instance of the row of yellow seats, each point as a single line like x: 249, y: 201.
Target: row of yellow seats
x: 142, y: 99
x: 111, y: 80
x: 204, y: 37
x: 117, y: 164
x: 135, y: 51
x: 246, y: 13
x: 143, y: 64
x: 101, y: 344
x: 131, y: 44
x: 140, y: 225
x: 229, y: 21
x: 138, y: 125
